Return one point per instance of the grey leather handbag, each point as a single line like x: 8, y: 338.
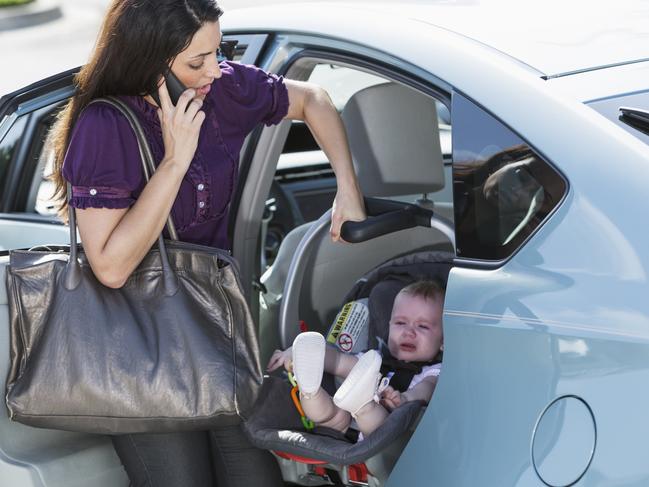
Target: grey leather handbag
x: 174, y: 349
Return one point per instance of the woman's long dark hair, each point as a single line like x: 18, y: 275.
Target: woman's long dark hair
x: 137, y: 42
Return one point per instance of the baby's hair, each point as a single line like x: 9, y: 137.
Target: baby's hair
x: 426, y: 289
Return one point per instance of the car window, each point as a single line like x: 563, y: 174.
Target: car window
x: 304, y: 185
x: 503, y: 190
x: 342, y: 82
x: 26, y: 161
x: 610, y: 108
x: 42, y: 193
x: 244, y: 49
x: 9, y: 153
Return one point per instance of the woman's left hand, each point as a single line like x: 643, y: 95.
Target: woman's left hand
x: 348, y: 206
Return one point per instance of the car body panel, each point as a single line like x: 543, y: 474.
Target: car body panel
x: 553, y: 38
x: 25, y: 234
x: 604, y: 83
x: 40, y: 457
x: 522, y: 335
x: 538, y: 308
x: 564, y: 316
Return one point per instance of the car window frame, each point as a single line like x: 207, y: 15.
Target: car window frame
x: 436, y: 89
x: 36, y: 103
x: 280, y: 53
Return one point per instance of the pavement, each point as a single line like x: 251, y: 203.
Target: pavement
x: 38, y: 48
x: 47, y: 37
x: 34, y: 13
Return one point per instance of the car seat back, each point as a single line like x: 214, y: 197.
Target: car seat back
x: 394, y: 138
x: 393, y: 134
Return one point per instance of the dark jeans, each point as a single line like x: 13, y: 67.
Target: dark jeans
x: 221, y: 457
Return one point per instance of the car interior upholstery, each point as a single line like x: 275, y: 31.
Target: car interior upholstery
x: 394, y: 138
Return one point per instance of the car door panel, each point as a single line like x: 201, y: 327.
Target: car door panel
x: 31, y: 457
x: 38, y: 457
x: 18, y: 234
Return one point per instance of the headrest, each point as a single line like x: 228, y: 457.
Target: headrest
x: 394, y: 139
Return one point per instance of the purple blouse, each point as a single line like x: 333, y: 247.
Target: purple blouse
x: 103, y: 162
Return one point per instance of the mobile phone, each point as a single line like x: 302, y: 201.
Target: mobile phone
x: 174, y: 87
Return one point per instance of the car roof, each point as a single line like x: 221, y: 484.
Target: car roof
x: 553, y: 37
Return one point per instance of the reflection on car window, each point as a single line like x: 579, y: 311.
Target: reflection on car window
x: 26, y: 164
x: 610, y: 108
x: 46, y: 203
x: 502, y: 189
x: 8, y: 147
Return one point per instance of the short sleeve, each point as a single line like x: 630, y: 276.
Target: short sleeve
x: 427, y: 371
x: 103, y: 162
x: 259, y: 96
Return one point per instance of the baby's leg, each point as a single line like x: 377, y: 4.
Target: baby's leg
x: 308, y: 365
x: 320, y: 409
x: 356, y: 394
x: 370, y: 417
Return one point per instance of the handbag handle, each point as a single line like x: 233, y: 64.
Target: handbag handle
x: 73, y: 268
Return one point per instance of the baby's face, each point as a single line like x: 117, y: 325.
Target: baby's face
x: 415, y: 328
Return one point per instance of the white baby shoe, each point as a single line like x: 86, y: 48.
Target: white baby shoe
x: 360, y: 386
x: 308, y: 361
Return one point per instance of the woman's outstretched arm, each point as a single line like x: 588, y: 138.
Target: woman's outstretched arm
x: 312, y: 104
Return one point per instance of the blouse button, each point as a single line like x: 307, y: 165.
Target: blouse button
x: 92, y: 191
x: 201, y: 204
x: 200, y: 187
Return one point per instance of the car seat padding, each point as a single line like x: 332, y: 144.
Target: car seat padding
x: 276, y: 425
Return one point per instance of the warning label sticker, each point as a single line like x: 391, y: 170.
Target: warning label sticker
x: 349, y: 330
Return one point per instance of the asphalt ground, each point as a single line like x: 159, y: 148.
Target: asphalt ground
x: 31, y: 53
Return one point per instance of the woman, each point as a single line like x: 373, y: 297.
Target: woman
x: 196, y: 144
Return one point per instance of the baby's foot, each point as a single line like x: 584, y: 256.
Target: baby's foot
x: 308, y: 361
x: 359, y: 388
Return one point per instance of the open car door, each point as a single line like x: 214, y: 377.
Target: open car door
x: 30, y: 456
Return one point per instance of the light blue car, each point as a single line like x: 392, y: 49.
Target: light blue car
x: 524, y: 129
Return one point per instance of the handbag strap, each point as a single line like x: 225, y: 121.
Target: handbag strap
x: 146, y: 156
x: 73, y: 268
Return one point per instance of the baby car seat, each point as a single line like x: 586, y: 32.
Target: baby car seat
x: 326, y: 457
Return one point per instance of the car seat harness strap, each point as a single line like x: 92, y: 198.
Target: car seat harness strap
x: 400, y: 372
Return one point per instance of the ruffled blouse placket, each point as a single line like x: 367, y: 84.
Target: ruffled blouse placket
x: 198, y: 175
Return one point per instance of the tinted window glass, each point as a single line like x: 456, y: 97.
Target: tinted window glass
x: 8, y: 147
x: 502, y: 189
x: 610, y: 108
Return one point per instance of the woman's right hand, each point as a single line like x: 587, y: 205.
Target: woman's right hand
x: 181, y: 125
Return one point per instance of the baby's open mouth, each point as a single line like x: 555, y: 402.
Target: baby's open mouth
x: 408, y: 347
